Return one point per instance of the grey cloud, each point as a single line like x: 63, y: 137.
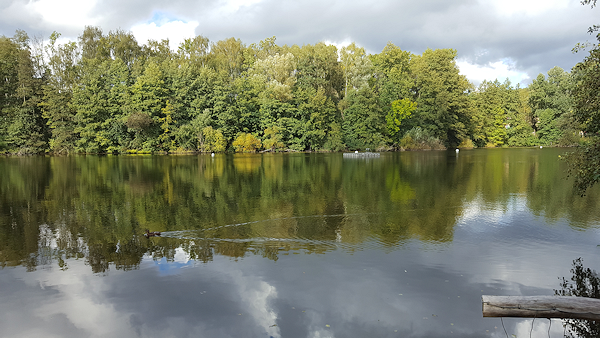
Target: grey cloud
x: 535, y: 43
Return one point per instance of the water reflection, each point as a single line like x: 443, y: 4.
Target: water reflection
x: 59, y: 208
x: 403, y: 245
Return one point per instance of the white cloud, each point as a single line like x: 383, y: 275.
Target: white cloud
x: 65, y: 13
x: 491, y: 71
x: 176, y: 31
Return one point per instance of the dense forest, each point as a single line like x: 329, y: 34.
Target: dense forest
x: 106, y: 93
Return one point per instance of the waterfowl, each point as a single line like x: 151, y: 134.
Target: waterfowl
x: 151, y: 234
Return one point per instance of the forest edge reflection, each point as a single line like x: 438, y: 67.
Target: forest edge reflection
x: 96, y: 208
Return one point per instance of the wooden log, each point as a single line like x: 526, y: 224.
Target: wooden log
x: 541, y: 307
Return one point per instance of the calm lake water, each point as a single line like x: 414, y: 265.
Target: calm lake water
x: 287, y: 245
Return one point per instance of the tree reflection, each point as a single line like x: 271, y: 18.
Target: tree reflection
x: 53, y: 209
x: 584, y: 283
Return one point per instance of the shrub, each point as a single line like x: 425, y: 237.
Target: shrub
x: 466, y: 144
x: 247, y: 143
x: 212, y: 140
x: 273, y: 142
x: 420, y: 139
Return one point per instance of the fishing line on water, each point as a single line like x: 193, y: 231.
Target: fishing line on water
x: 310, y: 216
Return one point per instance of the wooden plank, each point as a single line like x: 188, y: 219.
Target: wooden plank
x: 541, y: 307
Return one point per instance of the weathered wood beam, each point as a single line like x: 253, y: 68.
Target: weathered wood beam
x: 541, y: 307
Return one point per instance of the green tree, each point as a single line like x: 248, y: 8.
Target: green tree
x: 194, y: 51
x: 227, y: 56
x: 584, y: 162
x: 28, y: 132
x: 551, y: 103
x: 521, y: 133
x: 212, y: 140
x: 443, y: 107
x: 93, y: 44
x: 247, y: 143
x: 364, y: 125
x: 122, y: 45
x: 401, y: 110
x: 356, y: 67
x: 394, y: 74
x: 9, y: 59
x: 100, y: 100
x: 166, y: 139
x: 149, y: 96
x: 317, y: 66
x: 58, y: 93
x: 272, y: 139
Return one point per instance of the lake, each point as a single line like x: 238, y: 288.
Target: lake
x: 287, y: 245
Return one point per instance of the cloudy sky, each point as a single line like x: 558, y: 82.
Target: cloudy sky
x: 517, y: 39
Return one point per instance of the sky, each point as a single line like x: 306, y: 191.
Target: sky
x: 494, y: 39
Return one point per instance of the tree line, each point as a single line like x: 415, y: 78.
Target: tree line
x: 106, y: 93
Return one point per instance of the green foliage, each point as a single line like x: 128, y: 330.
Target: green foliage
x: 166, y: 125
x: 395, y: 78
x: 356, y: 67
x: 107, y: 93
x: 272, y: 139
x: 401, y: 110
x: 583, y: 164
x: 22, y: 127
x: 521, y: 132
x: 585, y: 161
x: 466, y: 144
x: 212, y: 140
x: 57, y: 102
x: 99, y: 100
x: 443, y: 107
x: 247, y: 143
x: 495, y: 113
x: 335, y: 138
x: 551, y: 104
x: 364, y: 124
x: 420, y: 139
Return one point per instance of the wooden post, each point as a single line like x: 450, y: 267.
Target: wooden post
x: 541, y: 307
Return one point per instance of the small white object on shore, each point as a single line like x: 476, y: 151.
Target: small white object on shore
x: 457, y: 150
x: 212, y: 154
x: 356, y: 151
x: 540, y: 147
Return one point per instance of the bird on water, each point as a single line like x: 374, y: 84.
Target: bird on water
x: 151, y: 234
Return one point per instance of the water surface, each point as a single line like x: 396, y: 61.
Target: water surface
x: 286, y: 245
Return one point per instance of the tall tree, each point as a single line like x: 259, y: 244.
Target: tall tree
x: 584, y: 163
x: 443, y: 107
x: 550, y: 100
x: 356, y: 67
x: 58, y: 92
x: 194, y: 51
x: 101, y: 100
x: 494, y: 112
x: 9, y: 59
x: 227, y: 56
x: 364, y: 125
x: 27, y: 132
x: 148, y: 98
x: 394, y: 85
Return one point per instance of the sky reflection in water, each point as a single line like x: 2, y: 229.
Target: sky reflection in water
x: 331, y: 284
